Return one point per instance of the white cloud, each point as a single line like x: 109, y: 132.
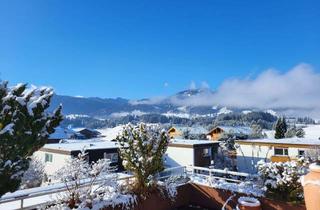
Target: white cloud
x: 296, y: 91
x: 192, y: 85
x: 153, y: 100
x: 123, y: 114
x: 204, y: 85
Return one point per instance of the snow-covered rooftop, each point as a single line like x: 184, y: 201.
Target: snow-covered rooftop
x: 236, y: 129
x: 191, y: 142
x: 302, y: 141
x: 62, y: 133
x: 79, y: 145
x: 111, y: 133
x: 192, y: 129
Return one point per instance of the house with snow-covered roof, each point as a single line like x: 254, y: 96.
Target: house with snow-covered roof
x: 180, y: 132
x: 185, y: 152
x: 249, y: 152
x: 54, y: 156
x: 238, y: 131
x: 87, y: 133
x: 59, y: 134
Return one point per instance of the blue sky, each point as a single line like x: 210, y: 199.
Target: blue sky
x: 132, y: 48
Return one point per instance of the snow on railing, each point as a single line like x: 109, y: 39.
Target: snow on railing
x: 42, y: 192
x: 42, y: 195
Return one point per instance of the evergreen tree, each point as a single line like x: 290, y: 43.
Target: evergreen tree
x: 186, y: 134
x: 142, y: 150
x: 24, y: 128
x: 300, y: 133
x: 281, y: 128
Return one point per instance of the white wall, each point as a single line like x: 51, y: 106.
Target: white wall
x: 249, y: 155
x: 179, y: 156
x: 253, y: 153
x: 58, y: 161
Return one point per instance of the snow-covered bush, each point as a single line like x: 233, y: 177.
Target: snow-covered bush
x: 142, y: 150
x: 34, y: 176
x: 90, y: 186
x: 282, y: 179
x: 168, y: 188
x: 24, y: 128
x: 313, y: 154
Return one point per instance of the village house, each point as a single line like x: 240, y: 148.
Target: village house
x: 181, y: 132
x: 184, y: 152
x: 61, y: 133
x: 54, y: 156
x: 249, y: 152
x: 239, y: 132
x: 87, y: 133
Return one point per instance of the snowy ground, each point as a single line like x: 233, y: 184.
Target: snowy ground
x: 110, y: 133
x: 312, y: 132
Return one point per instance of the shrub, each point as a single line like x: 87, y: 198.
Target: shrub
x: 282, y: 180
x: 34, y: 176
x: 89, y: 185
x: 142, y: 150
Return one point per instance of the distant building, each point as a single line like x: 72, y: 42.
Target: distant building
x: 87, y: 133
x: 239, y: 132
x: 250, y: 152
x: 179, y: 132
x: 54, y: 156
x: 59, y: 134
x: 183, y: 152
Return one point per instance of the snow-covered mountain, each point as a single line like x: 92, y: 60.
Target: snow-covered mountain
x: 100, y: 108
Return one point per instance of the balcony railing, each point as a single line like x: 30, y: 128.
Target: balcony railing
x: 40, y: 196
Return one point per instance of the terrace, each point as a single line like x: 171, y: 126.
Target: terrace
x: 197, y: 188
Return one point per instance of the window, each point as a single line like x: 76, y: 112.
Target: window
x: 48, y: 157
x: 113, y: 157
x: 281, y: 151
x: 206, y: 152
x: 301, y: 153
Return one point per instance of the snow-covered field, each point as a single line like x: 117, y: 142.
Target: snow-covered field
x: 110, y: 133
x: 312, y: 132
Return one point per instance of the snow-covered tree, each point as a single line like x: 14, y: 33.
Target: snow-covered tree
x: 34, y: 176
x: 88, y: 185
x: 281, y: 128
x: 300, y: 133
x: 24, y: 128
x: 186, y: 134
x: 225, y: 157
x: 291, y: 132
x: 257, y: 131
x: 282, y: 180
x: 142, y: 150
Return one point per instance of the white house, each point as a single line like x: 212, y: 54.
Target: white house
x: 54, y: 156
x: 249, y: 152
x: 182, y: 152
